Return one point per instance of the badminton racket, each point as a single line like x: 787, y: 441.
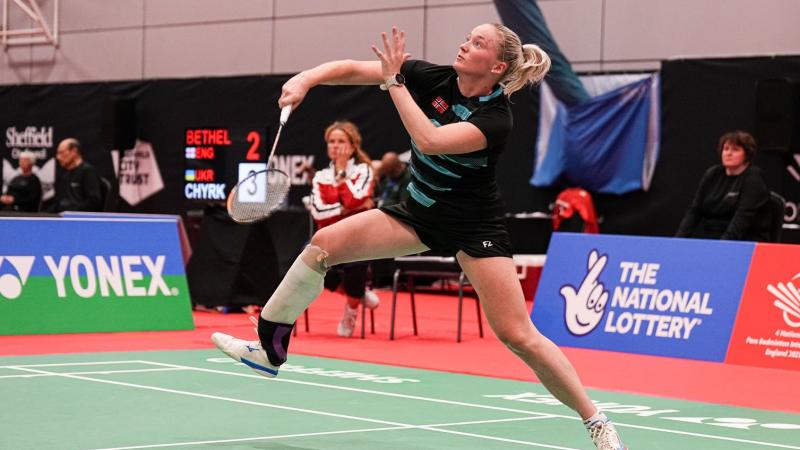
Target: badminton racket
x: 261, y: 192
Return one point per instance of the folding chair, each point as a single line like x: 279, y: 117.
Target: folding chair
x: 430, y: 266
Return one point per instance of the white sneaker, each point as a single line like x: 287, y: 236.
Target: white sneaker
x: 249, y: 353
x: 348, y: 323
x: 605, y: 437
x: 371, y: 299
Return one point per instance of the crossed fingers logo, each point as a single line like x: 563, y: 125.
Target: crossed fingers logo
x: 10, y: 284
x: 586, y: 304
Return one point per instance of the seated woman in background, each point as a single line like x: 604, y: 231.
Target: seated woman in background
x: 732, y: 197
x: 340, y: 190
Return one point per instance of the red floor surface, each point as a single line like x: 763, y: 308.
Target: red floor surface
x: 436, y: 348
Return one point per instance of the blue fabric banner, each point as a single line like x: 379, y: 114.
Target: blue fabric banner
x: 606, y: 144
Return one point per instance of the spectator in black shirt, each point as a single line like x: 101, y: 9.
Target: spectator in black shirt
x: 79, y: 189
x: 25, y: 190
x: 732, y: 196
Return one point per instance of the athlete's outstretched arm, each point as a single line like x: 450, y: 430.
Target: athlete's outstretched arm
x: 346, y: 71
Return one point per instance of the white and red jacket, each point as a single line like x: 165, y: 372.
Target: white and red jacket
x: 332, y: 201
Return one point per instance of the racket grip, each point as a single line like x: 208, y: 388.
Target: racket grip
x: 285, y: 111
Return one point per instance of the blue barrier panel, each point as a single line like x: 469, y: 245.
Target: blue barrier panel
x: 87, y: 274
x: 656, y: 296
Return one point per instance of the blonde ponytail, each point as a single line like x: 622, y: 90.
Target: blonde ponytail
x: 527, y: 64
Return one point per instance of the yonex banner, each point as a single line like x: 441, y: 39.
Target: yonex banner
x: 657, y: 296
x: 87, y: 274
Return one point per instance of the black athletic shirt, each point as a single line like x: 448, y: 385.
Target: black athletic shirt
x: 78, y: 190
x: 27, y: 192
x: 459, y: 186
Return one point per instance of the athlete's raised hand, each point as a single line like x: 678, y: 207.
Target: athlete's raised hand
x: 394, y: 52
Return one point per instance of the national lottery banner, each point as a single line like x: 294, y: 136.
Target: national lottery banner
x: 656, y: 296
x: 90, y: 274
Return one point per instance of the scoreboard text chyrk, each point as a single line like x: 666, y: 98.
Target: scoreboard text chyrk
x: 212, y: 156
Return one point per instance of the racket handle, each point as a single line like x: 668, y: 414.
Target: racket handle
x: 285, y: 111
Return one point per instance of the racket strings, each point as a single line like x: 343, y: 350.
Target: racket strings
x: 261, y: 193
x: 243, y: 207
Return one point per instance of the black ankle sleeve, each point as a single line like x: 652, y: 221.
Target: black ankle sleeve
x: 274, y: 339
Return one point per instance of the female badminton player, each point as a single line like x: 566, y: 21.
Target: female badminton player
x: 458, y: 119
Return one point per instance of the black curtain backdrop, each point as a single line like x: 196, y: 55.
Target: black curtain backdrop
x: 165, y: 108
x: 701, y: 99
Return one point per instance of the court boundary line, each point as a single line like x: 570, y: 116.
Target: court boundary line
x: 257, y: 438
x: 367, y: 391
x: 89, y: 363
x: 475, y: 405
x: 302, y: 410
x: 95, y: 372
x: 320, y: 433
x: 361, y: 390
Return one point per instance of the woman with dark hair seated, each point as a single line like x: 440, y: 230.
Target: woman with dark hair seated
x: 730, y: 202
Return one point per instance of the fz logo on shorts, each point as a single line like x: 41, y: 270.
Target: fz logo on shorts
x: 585, y: 305
x: 487, y: 244
x: 11, y: 285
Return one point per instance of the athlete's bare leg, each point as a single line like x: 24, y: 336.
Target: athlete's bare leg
x: 497, y: 285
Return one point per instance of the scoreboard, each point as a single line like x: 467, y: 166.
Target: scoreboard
x: 216, y: 158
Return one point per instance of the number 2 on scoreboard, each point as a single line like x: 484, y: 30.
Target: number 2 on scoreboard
x: 255, y: 141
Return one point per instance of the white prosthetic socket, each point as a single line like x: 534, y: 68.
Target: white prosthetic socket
x: 302, y: 285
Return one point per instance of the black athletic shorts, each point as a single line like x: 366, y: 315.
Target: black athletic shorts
x: 479, y: 238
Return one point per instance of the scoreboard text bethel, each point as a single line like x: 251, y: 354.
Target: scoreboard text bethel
x: 212, y: 157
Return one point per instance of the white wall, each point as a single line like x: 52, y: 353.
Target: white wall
x: 140, y: 39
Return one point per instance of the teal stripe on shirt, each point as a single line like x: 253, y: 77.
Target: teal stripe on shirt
x: 431, y: 163
x: 418, y: 176
x: 472, y: 163
x: 494, y: 94
x: 420, y: 198
x: 461, y: 111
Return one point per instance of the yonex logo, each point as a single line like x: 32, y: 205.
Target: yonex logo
x: 787, y: 299
x: 113, y: 275
x: 10, y: 284
x: 585, y: 305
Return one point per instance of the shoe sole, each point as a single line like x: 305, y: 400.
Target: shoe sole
x: 257, y: 368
